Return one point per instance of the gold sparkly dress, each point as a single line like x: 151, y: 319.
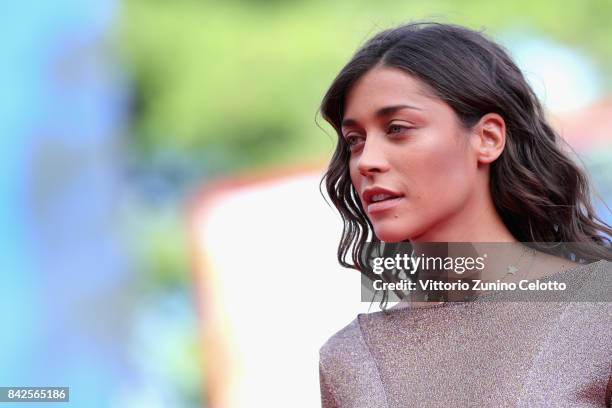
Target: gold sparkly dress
x: 491, y: 352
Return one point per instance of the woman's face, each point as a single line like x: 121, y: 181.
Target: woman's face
x: 411, y: 161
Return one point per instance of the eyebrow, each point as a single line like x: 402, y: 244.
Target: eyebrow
x: 387, y: 110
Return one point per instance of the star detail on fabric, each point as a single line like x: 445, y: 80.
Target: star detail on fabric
x: 512, y: 269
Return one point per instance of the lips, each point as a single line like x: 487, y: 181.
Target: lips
x: 378, y: 199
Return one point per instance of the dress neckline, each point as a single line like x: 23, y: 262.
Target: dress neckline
x: 492, y: 294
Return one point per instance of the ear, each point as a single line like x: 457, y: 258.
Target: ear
x: 489, y: 138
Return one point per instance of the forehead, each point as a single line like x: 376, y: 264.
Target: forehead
x: 382, y: 86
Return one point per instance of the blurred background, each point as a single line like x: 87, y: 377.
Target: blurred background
x: 157, y: 157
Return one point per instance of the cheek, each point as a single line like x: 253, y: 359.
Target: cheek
x: 453, y: 185
x: 441, y: 174
x: 354, y: 173
x: 458, y: 168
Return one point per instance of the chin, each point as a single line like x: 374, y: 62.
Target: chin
x: 391, y: 230
x: 392, y: 233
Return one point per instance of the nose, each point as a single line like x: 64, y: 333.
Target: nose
x: 372, y: 159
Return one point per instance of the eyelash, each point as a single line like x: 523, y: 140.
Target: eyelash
x: 348, y: 138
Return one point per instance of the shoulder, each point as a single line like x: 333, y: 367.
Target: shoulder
x: 348, y: 372
x: 348, y: 349
x: 343, y: 340
x: 589, y: 282
x: 352, y: 338
x: 353, y: 332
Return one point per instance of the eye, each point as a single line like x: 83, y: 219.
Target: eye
x: 394, y: 128
x: 353, y: 140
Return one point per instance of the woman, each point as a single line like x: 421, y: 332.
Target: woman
x: 440, y: 139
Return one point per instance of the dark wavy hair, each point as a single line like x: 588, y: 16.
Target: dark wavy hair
x: 541, y: 195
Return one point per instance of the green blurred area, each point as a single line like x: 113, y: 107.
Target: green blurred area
x: 221, y: 87
x: 237, y: 84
